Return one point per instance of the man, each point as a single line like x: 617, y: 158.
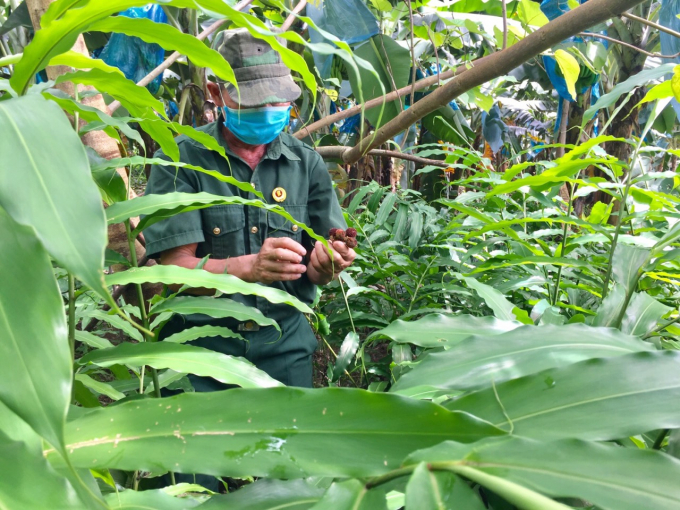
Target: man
x: 249, y: 242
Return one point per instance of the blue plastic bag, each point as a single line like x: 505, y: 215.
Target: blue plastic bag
x: 131, y: 55
x: 348, y: 20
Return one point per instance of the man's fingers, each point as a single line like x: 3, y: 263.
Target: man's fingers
x: 340, y: 247
x: 284, y: 267
x: 322, y: 255
x: 287, y: 243
x: 314, y: 261
x: 285, y: 255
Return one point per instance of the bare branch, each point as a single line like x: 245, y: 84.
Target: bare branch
x: 334, y: 151
x: 497, y: 64
x: 651, y: 24
x: 293, y: 14
x: 632, y: 47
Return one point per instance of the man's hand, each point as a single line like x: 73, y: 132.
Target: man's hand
x: 325, y: 267
x: 278, y: 260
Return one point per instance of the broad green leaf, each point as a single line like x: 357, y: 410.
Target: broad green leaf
x: 643, y: 314
x: 43, y: 157
x: 17, y: 430
x: 439, y: 490
x: 99, y: 387
x: 268, y: 495
x: 626, y: 86
x: 79, y: 61
x: 214, y: 307
x: 628, y: 262
x: 437, y: 329
x: 274, y: 432
x: 386, y: 208
x: 202, y: 332
x: 225, y: 283
x: 502, y: 308
x: 610, y: 307
x: 347, y: 351
x: 479, y: 360
x: 599, y: 399
x: 148, y: 500
x: 352, y: 495
x: 608, y: 476
x: 28, y: 481
x: 570, y: 70
x: 34, y: 355
x: 391, y: 64
x: 170, y: 38
x: 187, y: 359
x: 675, y: 83
x: 660, y: 91
x: 530, y: 13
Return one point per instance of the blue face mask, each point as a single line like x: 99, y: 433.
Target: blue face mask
x: 257, y: 126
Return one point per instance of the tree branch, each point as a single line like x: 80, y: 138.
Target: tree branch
x: 497, y: 64
x: 172, y: 58
x: 293, y: 14
x: 651, y: 24
x: 334, y: 151
x: 632, y: 47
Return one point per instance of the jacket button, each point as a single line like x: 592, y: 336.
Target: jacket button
x: 216, y: 230
x: 295, y: 228
x: 254, y: 230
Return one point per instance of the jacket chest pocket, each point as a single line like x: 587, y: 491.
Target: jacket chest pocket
x: 223, y: 228
x: 280, y: 226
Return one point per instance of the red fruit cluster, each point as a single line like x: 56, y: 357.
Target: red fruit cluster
x: 349, y: 236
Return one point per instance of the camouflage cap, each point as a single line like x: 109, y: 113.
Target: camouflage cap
x: 261, y: 76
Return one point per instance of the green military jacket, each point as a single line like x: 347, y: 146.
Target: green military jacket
x: 234, y: 230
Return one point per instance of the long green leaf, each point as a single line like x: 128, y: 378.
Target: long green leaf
x: 479, y: 360
x: 352, y: 495
x: 268, y: 495
x: 502, y: 308
x: 439, y: 490
x: 155, y: 208
x: 214, y: 307
x: 170, y: 38
x: 626, y: 86
x: 28, y: 481
x: 643, y: 314
x: 43, y: 157
x: 148, y: 500
x: 611, y: 477
x: 598, y: 399
x: 34, y: 354
x: 225, y: 283
x: 201, y: 332
x: 274, y: 432
x: 140, y: 160
x: 435, y: 330
x: 628, y: 261
x: 187, y: 359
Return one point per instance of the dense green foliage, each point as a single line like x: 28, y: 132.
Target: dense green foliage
x: 504, y: 339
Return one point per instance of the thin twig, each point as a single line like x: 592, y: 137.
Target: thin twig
x: 504, y: 10
x: 172, y: 58
x: 632, y: 47
x: 338, y: 151
x: 293, y: 15
x: 651, y: 24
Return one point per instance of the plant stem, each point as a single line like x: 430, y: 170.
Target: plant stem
x: 142, y: 309
x: 72, y: 314
x: 564, y: 245
x: 662, y: 327
x: 413, y: 55
x: 504, y: 8
x: 349, y: 312
x: 415, y: 291
x: 660, y: 438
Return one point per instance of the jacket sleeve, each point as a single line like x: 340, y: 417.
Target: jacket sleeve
x: 180, y: 229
